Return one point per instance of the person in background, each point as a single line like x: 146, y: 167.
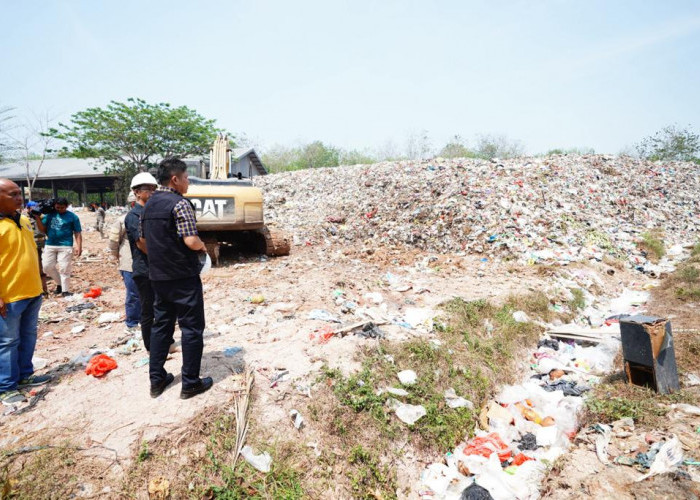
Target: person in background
x: 20, y: 297
x: 60, y: 228
x: 99, y: 219
x: 142, y: 187
x: 119, y: 247
x: 168, y: 228
x: 40, y: 240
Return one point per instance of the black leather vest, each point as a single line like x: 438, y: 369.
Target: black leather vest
x: 168, y: 256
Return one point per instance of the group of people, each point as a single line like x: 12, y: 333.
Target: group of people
x: 163, y: 283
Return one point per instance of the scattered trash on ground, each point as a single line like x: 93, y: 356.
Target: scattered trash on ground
x: 261, y: 462
x: 99, y: 365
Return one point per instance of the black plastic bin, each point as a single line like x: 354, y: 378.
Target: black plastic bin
x: 647, y: 348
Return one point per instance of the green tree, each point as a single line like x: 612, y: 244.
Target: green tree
x: 456, y: 148
x: 317, y: 155
x: 131, y: 136
x: 498, y: 146
x: 356, y: 157
x: 312, y: 155
x: 671, y: 143
x: 570, y: 151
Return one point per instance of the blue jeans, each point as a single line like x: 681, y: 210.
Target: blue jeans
x: 17, y: 342
x: 132, y: 305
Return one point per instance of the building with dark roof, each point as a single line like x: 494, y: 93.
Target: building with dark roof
x: 82, y: 176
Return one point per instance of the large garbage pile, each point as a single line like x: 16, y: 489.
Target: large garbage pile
x: 545, y: 210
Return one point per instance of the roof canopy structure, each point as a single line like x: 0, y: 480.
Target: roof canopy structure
x: 82, y: 176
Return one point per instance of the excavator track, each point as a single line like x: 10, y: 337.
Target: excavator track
x: 276, y: 242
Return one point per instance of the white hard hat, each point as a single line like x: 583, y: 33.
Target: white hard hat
x: 131, y: 198
x: 143, y: 178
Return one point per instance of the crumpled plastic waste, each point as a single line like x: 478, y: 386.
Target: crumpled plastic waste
x: 230, y: 352
x: 670, y: 455
x: 409, y: 414
x: 297, y: 419
x: 261, y: 462
x: 109, y: 317
x: 323, y: 315
x: 369, y: 331
x: 602, y: 442
x: 454, y: 401
x: 485, y: 446
x: 407, y: 377
x: 100, y: 365
x: 521, y: 317
x: 528, y: 442
x: 552, y: 344
x: 520, y: 459
x: 257, y: 299
x: 323, y: 334
x: 475, y: 492
x: 568, y: 387
x: 94, y: 292
x: 686, y: 408
x: 80, y: 307
x: 131, y: 346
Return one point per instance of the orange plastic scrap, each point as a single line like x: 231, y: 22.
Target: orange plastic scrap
x: 323, y: 334
x: 99, y: 365
x: 520, y: 459
x: 94, y: 292
x: 486, y: 445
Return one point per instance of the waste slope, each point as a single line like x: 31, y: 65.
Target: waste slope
x: 545, y: 209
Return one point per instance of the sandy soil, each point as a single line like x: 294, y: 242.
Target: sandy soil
x: 117, y: 411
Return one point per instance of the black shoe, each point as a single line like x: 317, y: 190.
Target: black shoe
x: 59, y: 290
x: 158, y: 390
x: 66, y: 294
x: 203, y: 386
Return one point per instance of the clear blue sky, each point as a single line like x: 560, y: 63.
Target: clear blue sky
x: 358, y: 73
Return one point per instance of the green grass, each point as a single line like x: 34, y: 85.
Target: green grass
x: 368, y: 475
x: 578, y: 302
x: 695, y: 252
x: 612, y: 401
x: 243, y: 481
x: 144, y: 454
x: 687, y: 282
x: 478, y: 341
x: 653, y: 244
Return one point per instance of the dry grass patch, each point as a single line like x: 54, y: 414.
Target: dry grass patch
x: 615, y: 400
x: 652, y: 243
x: 56, y: 469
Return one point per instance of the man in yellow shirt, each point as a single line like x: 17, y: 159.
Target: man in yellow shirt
x: 20, y: 297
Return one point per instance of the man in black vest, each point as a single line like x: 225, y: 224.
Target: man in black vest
x: 168, y: 226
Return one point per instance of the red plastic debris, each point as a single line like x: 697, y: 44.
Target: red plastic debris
x: 323, y: 334
x: 99, y: 365
x: 520, y: 459
x: 486, y: 445
x: 94, y: 292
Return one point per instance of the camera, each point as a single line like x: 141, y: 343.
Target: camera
x: 43, y: 207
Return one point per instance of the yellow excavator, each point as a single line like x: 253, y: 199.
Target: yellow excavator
x: 229, y: 208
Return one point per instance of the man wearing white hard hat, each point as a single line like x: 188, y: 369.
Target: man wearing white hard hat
x: 142, y: 186
x: 119, y: 247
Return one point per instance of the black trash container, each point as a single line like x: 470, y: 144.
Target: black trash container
x: 647, y: 348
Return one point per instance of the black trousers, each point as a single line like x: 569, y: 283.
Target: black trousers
x: 146, y: 296
x: 181, y: 300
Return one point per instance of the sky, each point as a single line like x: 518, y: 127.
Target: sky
x: 361, y: 74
